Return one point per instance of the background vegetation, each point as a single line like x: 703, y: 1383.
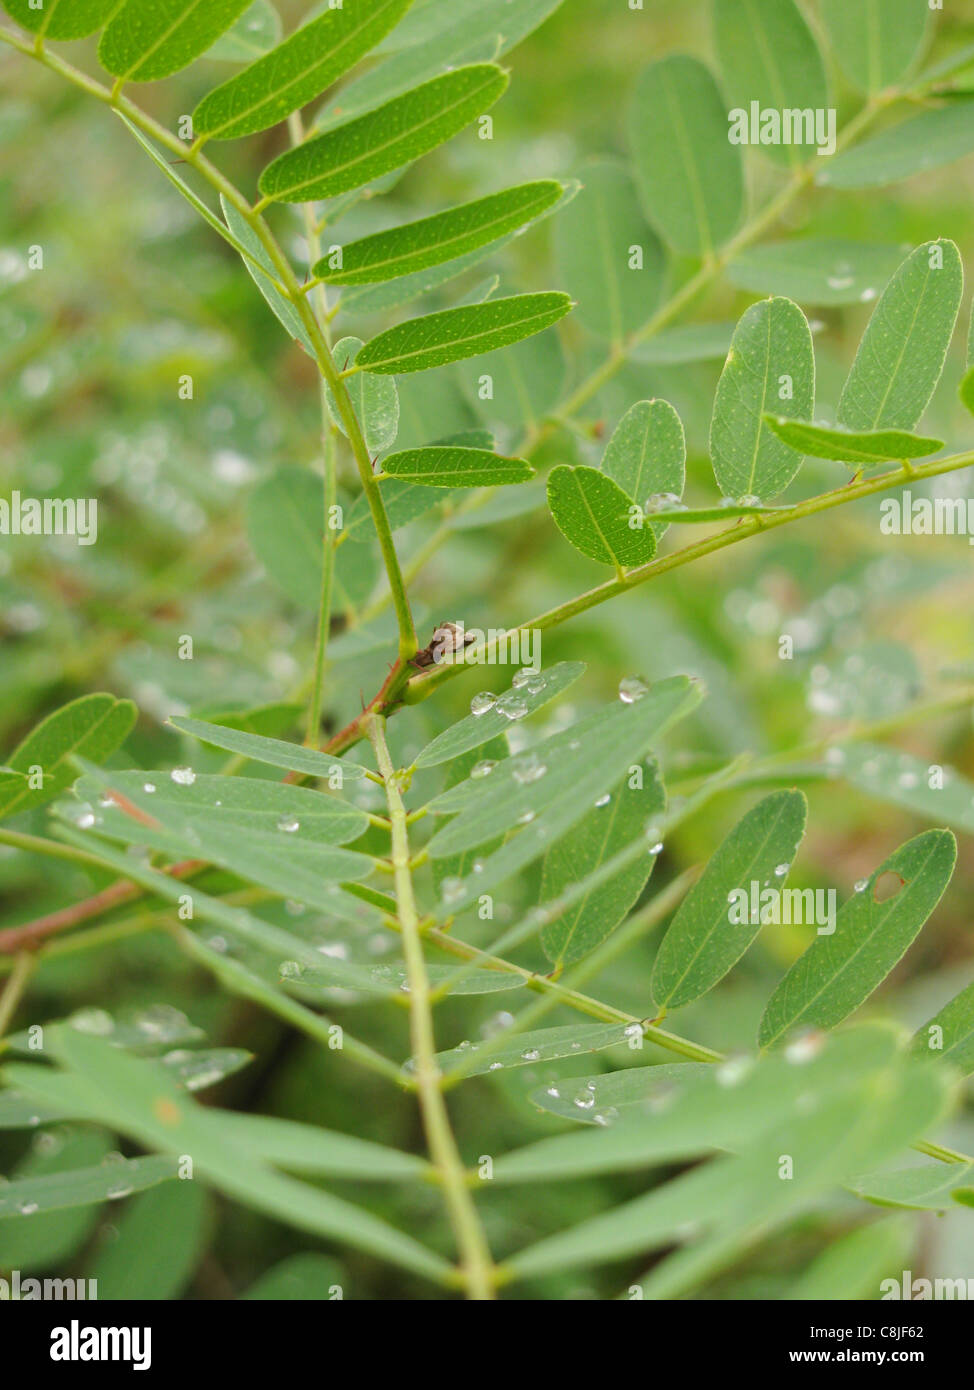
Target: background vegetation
x: 137, y: 292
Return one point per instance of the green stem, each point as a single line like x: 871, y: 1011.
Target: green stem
x: 14, y: 989
x: 478, y: 1267
x: 52, y: 849
x: 292, y: 289
x: 420, y: 687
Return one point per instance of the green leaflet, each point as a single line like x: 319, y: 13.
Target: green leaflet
x: 353, y: 154
x: 433, y: 39
x: 606, y: 256
x: 934, y: 1187
x: 949, y: 1035
x: 862, y: 447
x: 273, y: 751
x: 457, y: 770
x: 647, y: 456
x: 375, y: 399
x: 676, y: 1110
x: 439, y: 466
x: 768, y: 55
x: 453, y: 334
x: 240, y: 824
x: 593, y: 513
x: 47, y: 1178
x: 286, y: 527
x: 136, y: 1098
x: 813, y: 271
x: 707, y: 937
x: 904, y: 347
x: 732, y: 1198
x: 905, y: 780
x: 263, y: 272
x: 927, y: 141
x: 91, y: 727
x: 614, y: 822
x: 839, y: 971
x: 83, y: 1187
x: 431, y: 241
x: 516, y: 704
x: 545, y: 1045
x: 249, y: 805
x: 561, y: 773
x: 876, y: 42
x: 62, y: 19
x: 966, y: 389
x: 770, y: 367
x: 297, y: 70
x: 855, y: 1265
x: 306, y: 1278
x: 255, y: 33
x: 149, y: 39
x: 690, y: 178
x: 173, y: 1221
x: 404, y: 502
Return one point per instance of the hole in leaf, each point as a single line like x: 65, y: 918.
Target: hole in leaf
x: 887, y: 886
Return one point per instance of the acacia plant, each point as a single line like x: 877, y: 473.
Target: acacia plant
x: 501, y: 857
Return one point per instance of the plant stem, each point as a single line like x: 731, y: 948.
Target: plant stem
x: 420, y: 687
x: 478, y: 1267
x: 14, y: 989
x: 293, y: 291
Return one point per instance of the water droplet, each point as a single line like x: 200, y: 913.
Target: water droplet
x: 512, y: 706
x: 148, y: 787
x: 86, y: 819
x: 840, y: 282
x: 603, y: 800
x: 484, y: 768
x: 631, y: 689
x: 481, y: 703
x: 290, y: 969
x: 633, y: 1030
x: 554, y: 1092
x: 530, y: 1054
x: 733, y: 1071
x: 451, y: 889
x: 289, y: 824
x: 27, y: 1208
x: 585, y: 1100
x: 96, y: 1021
x: 749, y: 500
x: 495, y: 1066
x: 781, y: 870
x: 184, y: 776
x: 526, y: 818
x: 654, y: 836
x: 528, y: 769
x: 861, y: 884
x: 805, y: 1047
x: 522, y: 678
